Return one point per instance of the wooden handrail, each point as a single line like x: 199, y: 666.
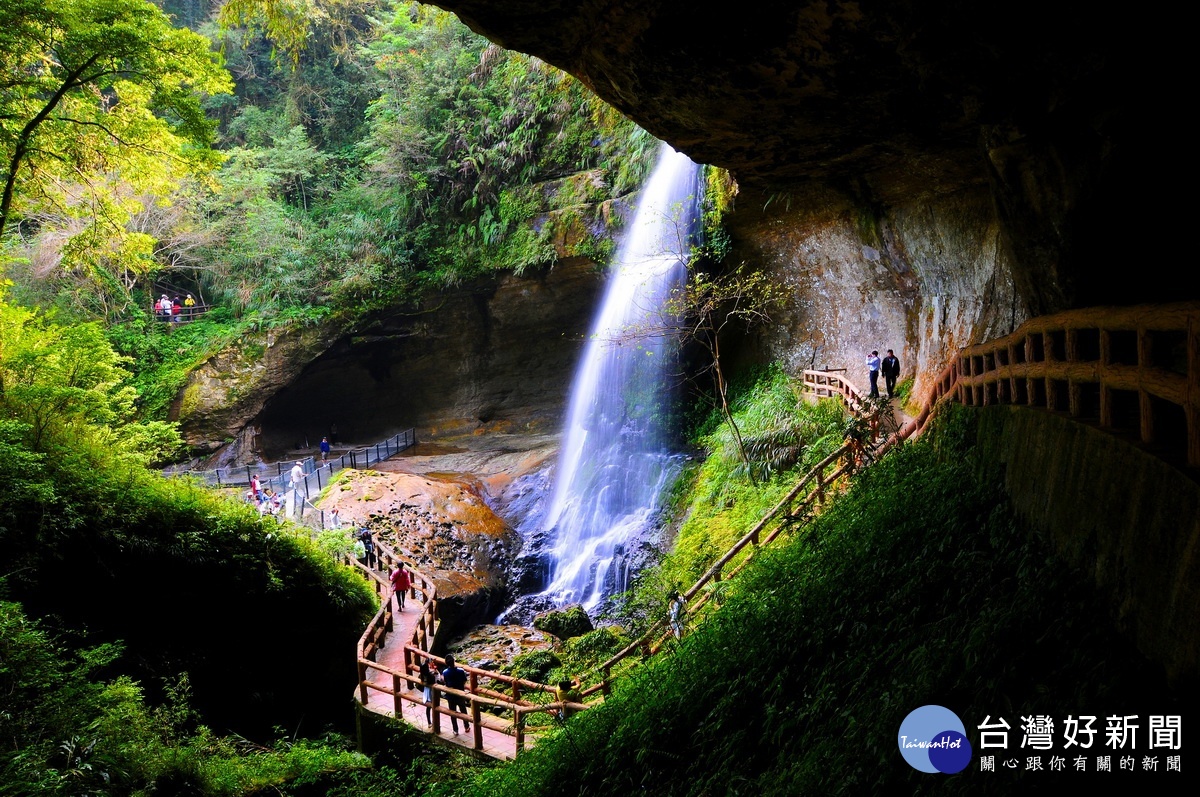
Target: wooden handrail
x: 1048, y: 350
x: 1081, y: 361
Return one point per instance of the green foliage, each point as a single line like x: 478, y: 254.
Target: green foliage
x: 784, y: 436
x: 88, y: 533
x: 66, y: 381
x: 100, y: 106
x: 916, y: 587
x: 719, y: 192
x: 535, y: 665
x: 455, y: 169
x: 161, y: 356
x: 69, y: 733
x: 336, y: 543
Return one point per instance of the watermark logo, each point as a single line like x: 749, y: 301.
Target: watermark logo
x: 934, y: 739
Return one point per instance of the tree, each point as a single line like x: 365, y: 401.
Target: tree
x: 95, y: 94
x: 59, y: 381
x: 709, y: 304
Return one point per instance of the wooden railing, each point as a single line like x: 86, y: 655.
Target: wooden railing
x: 502, y: 698
x: 1129, y: 368
x: 494, y: 700
x: 1083, y: 362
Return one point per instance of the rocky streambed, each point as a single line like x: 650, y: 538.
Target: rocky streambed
x: 453, y: 507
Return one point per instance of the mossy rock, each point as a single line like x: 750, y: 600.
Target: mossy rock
x: 565, y: 623
x: 534, y: 666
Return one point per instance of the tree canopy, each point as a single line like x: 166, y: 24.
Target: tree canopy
x: 100, y: 103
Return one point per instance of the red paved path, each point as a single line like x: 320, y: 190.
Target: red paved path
x: 495, y: 743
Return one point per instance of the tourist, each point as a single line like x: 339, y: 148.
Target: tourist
x: 401, y: 583
x: 335, y: 519
x: 567, y: 692
x: 873, y: 369
x: 256, y: 488
x: 297, y: 474
x: 369, y: 544
x: 455, y: 677
x: 891, y: 372
x: 429, y: 677
x: 360, y: 551
x: 324, y: 448
x: 189, y: 305
x: 176, y: 310
x: 675, y: 609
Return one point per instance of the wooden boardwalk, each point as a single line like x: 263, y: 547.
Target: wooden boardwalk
x: 493, y: 742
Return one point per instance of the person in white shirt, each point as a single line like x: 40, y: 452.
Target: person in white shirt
x: 297, y: 474
x: 873, y: 368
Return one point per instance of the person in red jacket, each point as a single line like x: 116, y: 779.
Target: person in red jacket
x: 401, y: 582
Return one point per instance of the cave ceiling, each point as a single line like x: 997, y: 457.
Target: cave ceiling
x: 1063, y: 109
x: 781, y: 92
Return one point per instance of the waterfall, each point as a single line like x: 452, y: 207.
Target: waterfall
x: 614, y: 464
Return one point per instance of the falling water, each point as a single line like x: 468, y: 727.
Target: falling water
x: 614, y: 464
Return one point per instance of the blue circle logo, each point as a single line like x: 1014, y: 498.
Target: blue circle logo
x: 934, y: 739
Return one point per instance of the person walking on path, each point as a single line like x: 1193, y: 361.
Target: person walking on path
x: 455, y: 677
x: 891, y: 372
x: 189, y: 305
x: 429, y: 677
x: 256, y: 488
x: 369, y: 542
x: 297, y: 474
x: 401, y: 582
x: 324, y: 448
x: 873, y: 370
x: 675, y: 614
x: 360, y: 551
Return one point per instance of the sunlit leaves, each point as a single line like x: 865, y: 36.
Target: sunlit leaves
x: 65, y: 380
x: 99, y: 105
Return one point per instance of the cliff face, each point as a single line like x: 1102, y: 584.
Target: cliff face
x: 497, y: 353
x: 229, y: 391
x: 924, y: 279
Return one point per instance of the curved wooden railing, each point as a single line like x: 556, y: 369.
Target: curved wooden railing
x: 1114, y: 364
x: 494, y: 700
x: 1133, y: 369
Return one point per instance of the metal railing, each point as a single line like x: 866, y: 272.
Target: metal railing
x: 297, y: 497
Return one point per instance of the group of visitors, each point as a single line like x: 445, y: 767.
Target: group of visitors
x: 266, y: 500
x: 175, y: 310
x: 889, y: 366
